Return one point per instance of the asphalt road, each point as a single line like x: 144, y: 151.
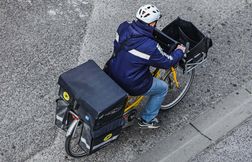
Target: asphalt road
x: 40, y: 40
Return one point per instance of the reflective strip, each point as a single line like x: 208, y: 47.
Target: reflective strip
x: 59, y: 118
x: 163, y: 53
x: 103, y: 143
x: 117, y: 37
x: 160, y: 49
x: 85, y: 142
x: 169, y: 57
x: 140, y: 54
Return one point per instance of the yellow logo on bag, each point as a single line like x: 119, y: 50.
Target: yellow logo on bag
x: 66, y: 96
x: 107, y: 137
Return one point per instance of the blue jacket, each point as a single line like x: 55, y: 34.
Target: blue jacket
x: 130, y: 67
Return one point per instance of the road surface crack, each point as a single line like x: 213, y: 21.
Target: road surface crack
x: 200, y: 132
x: 248, y: 91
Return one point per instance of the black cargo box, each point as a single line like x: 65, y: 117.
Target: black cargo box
x: 184, y: 31
x: 98, y: 98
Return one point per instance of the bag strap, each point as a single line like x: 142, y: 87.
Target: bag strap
x: 120, y: 47
x: 115, y: 54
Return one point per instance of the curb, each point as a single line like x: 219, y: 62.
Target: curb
x: 204, y: 130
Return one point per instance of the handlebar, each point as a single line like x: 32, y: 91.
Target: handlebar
x: 166, y: 36
x: 175, y: 43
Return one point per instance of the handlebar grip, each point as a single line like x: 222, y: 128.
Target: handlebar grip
x: 187, y: 48
x: 173, y: 47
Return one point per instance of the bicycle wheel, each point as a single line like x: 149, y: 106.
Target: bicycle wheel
x: 72, y: 144
x: 175, y: 95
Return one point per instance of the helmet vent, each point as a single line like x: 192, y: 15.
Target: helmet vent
x: 147, y: 15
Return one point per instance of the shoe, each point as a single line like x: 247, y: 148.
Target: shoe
x: 154, y: 123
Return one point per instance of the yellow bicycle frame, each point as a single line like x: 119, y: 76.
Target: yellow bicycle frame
x: 140, y: 98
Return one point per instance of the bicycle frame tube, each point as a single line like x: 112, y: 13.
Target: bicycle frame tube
x: 174, y: 74
x: 134, y: 104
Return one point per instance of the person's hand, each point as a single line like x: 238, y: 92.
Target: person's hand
x: 180, y: 46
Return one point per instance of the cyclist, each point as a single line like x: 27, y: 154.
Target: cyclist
x: 135, y: 50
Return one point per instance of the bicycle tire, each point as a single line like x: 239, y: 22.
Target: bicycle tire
x: 182, y: 94
x: 69, y: 149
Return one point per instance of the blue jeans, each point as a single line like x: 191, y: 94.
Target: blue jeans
x: 157, y: 94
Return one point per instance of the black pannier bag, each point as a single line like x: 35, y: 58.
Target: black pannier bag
x: 61, y: 114
x: 63, y: 106
x: 184, y: 31
x: 92, y: 141
x: 96, y: 98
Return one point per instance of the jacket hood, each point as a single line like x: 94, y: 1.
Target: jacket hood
x: 136, y: 34
x: 143, y: 28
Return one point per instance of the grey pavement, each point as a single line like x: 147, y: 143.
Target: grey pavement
x: 233, y: 147
x: 40, y: 40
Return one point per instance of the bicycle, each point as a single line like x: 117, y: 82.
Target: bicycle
x: 131, y: 108
x: 179, y: 79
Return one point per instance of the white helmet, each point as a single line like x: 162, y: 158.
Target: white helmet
x: 148, y: 13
